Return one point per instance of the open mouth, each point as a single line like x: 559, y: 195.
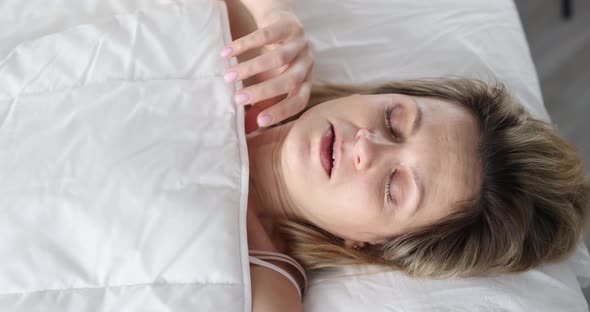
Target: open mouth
x: 327, y: 150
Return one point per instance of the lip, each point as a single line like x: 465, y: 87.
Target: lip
x: 336, y: 149
x: 326, y: 149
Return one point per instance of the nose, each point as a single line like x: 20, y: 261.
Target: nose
x: 367, y: 148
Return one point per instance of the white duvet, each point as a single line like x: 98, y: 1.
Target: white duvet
x: 123, y: 166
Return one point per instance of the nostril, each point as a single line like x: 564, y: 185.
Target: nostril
x: 358, y: 134
x: 357, y: 160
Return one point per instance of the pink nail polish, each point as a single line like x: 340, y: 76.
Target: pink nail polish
x: 226, y: 52
x: 231, y: 76
x: 264, y: 120
x: 242, y: 98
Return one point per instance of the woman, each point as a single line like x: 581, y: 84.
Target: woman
x: 436, y: 178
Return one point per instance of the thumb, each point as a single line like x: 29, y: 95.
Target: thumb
x: 251, y: 123
x: 250, y: 119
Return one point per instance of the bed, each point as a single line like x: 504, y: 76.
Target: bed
x: 123, y: 165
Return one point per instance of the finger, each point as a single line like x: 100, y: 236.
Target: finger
x: 253, y: 111
x: 276, y: 58
x: 268, y: 75
x: 250, y: 119
x: 286, y: 108
x: 281, y: 84
x: 267, y: 35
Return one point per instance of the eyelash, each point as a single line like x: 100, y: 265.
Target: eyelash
x: 388, y: 112
x: 388, y: 185
x: 396, y: 135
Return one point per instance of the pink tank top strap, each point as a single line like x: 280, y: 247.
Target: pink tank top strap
x: 258, y: 256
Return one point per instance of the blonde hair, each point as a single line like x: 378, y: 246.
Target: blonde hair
x: 533, y: 202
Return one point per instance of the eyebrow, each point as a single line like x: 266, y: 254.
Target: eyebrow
x: 418, y: 118
x: 419, y: 182
x: 415, y: 172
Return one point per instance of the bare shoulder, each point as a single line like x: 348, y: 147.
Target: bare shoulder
x: 273, y: 292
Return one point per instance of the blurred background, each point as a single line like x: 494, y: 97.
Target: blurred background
x: 558, y: 32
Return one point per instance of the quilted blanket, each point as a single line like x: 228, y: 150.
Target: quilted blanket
x: 123, y: 164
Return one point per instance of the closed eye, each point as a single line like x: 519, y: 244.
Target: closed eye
x: 388, y: 112
x: 388, y: 181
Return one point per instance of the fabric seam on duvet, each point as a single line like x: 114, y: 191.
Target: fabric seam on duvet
x: 244, y: 163
x: 9, y: 98
x: 121, y: 286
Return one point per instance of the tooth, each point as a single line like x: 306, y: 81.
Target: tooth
x: 333, y: 154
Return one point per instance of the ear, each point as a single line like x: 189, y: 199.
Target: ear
x: 351, y: 243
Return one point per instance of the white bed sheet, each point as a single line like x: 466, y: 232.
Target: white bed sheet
x: 372, y: 41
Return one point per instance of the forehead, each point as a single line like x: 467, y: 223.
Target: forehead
x: 363, y: 99
x: 450, y: 151
x: 378, y: 99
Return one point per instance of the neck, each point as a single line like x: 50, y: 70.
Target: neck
x: 268, y: 194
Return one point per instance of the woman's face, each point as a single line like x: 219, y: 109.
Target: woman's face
x: 400, y: 162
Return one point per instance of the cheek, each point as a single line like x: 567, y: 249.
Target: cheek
x: 292, y: 160
x: 296, y: 173
x: 360, y: 199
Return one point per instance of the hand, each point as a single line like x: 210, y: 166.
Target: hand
x: 283, y: 68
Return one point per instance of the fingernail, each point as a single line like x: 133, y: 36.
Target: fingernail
x: 264, y: 120
x: 242, y: 98
x: 226, y: 52
x: 231, y: 76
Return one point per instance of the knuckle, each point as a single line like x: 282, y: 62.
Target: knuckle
x: 244, y: 71
x: 277, y: 60
x: 283, y: 57
x: 238, y: 45
x: 255, y: 67
x: 266, y: 34
x: 267, y: 63
x: 304, y: 92
x: 297, y: 25
x: 291, y: 82
x: 249, y: 68
x: 259, y: 92
x: 259, y: 64
x: 301, y: 77
x: 299, y: 74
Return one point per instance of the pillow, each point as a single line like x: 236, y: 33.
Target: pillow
x: 375, y: 41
